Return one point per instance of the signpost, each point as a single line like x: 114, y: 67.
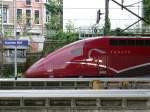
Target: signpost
x: 15, y: 42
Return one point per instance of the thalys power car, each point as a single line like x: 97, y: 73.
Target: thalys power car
x: 96, y: 57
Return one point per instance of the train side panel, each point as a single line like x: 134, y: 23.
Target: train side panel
x: 96, y: 56
x: 65, y: 62
x: 129, y: 61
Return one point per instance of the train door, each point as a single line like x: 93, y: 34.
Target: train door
x: 99, y: 60
x: 102, y: 64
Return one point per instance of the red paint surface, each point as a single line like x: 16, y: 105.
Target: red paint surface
x: 98, y: 59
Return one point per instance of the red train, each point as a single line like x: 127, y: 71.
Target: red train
x: 96, y: 57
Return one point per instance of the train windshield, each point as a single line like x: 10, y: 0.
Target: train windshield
x: 77, y: 51
x: 75, y: 47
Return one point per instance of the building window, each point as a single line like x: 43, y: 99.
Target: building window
x: 19, y: 15
x: 4, y: 14
x: 36, y: 17
x: 28, y: 17
x: 37, y: 0
x: 21, y: 53
x: 28, y: 2
x: 17, y: 33
x: 48, y: 16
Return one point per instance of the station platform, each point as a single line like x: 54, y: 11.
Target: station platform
x: 75, y: 100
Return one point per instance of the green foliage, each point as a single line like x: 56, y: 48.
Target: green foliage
x: 32, y: 58
x: 107, y: 27
x: 9, y: 70
x: 8, y: 33
x: 61, y: 39
x: 146, y: 10
x: 54, y: 23
x: 119, y: 32
x: 54, y: 7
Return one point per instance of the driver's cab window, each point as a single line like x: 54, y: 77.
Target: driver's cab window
x: 77, y: 52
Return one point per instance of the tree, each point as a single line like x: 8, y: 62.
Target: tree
x: 55, y: 8
x: 55, y: 25
x: 146, y: 10
x: 107, y: 27
x: 146, y: 15
x: 70, y: 26
x: 24, y: 24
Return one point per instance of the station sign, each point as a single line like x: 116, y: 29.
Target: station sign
x: 15, y: 42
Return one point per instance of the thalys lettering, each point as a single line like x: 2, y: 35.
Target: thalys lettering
x: 96, y: 57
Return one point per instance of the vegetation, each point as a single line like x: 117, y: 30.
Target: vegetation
x: 119, y: 32
x: 55, y: 9
x: 56, y: 38
x: 24, y: 26
x: 107, y: 27
x: 146, y: 10
x: 60, y: 39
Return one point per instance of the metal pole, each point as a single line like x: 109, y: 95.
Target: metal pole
x: 15, y: 58
x: 106, y: 17
x: 79, y: 33
x: 1, y: 36
x: 2, y: 18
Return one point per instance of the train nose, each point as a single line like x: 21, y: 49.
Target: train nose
x: 30, y: 73
x: 35, y: 70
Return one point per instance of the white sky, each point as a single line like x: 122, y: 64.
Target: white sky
x: 83, y: 12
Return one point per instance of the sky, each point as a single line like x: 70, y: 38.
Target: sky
x: 83, y: 12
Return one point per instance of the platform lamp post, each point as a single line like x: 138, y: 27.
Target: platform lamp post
x: 2, y: 35
x: 15, y: 53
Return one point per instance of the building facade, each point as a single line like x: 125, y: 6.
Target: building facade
x: 26, y: 19
x: 23, y: 19
x: 6, y: 24
x: 30, y: 17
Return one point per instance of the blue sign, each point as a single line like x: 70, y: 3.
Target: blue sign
x: 16, y: 42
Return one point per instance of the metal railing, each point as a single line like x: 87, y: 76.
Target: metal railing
x: 60, y: 100
x: 75, y: 83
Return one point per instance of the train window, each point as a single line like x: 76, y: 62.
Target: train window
x: 139, y: 42
x: 113, y: 42
x: 123, y: 42
x: 77, y: 52
x: 147, y: 42
x: 131, y: 42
